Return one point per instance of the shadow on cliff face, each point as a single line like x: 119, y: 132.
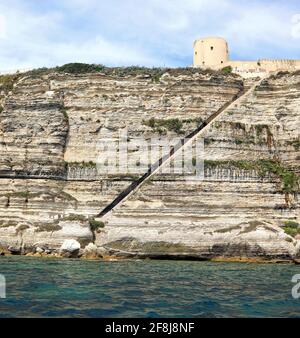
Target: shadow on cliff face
x: 238, y: 249
x: 132, y: 248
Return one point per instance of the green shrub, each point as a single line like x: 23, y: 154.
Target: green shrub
x: 169, y: 124
x: 48, y: 227
x: 7, y: 82
x: 80, y: 68
x: 38, y: 72
x: 208, y: 141
x: 74, y: 218
x: 291, y: 224
x: 150, y: 123
x: 290, y: 180
x: 291, y: 231
x: 174, y: 125
x: 291, y: 228
x: 226, y: 70
x: 94, y: 225
x: 156, y: 78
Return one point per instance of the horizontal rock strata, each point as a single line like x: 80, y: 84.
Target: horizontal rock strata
x: 52, y: 126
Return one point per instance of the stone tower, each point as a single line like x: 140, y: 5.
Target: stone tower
x: 210, y: 52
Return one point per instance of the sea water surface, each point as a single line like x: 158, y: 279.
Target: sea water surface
x: 145, y: 288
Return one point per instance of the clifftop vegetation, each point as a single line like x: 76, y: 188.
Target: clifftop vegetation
x: 154, y: 73
x: 7, y: 81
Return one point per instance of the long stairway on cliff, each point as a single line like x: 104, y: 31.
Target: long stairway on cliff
x: 154, y: 168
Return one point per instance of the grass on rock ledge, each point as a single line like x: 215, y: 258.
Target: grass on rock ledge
x: 291, y: 228
x: 290, y: 180
x: 162, y: 125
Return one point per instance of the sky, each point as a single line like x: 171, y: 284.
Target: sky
x: 44, y: 33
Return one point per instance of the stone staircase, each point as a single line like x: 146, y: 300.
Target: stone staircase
x: 154, y: 168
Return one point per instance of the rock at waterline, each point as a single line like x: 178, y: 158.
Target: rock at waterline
x: 90, y: 251
x: 39, y: 250
x: 70, y: 248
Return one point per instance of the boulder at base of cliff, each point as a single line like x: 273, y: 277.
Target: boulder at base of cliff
x: 39, y: 250
x: 91, y: 251
x: 14, y: 250
x: 70, y: 248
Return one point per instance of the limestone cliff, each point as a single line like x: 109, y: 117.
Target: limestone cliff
x: 51, y: 124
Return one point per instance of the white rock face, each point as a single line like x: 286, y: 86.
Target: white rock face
x: 70, y: 245
x: 52, y: 119
x: 90, y: 247
x: 91, y: 251
x: 233, y: 211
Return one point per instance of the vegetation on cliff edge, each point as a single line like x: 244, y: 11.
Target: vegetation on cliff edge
x: 7, y: 81
x: 291, y: 228
x: 226, y: 70
x: 154, y: 73
x: 162, y: 125
x: 290, y: 180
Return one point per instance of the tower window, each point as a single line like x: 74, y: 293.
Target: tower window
x: 211, y: 48
x: 221, y: 61
x: 195, y: 53
x: 203, y: 63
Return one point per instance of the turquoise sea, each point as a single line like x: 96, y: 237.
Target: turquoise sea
x: 145, y: 288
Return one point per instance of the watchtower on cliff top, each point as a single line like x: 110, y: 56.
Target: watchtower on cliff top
x: 211, y: 52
